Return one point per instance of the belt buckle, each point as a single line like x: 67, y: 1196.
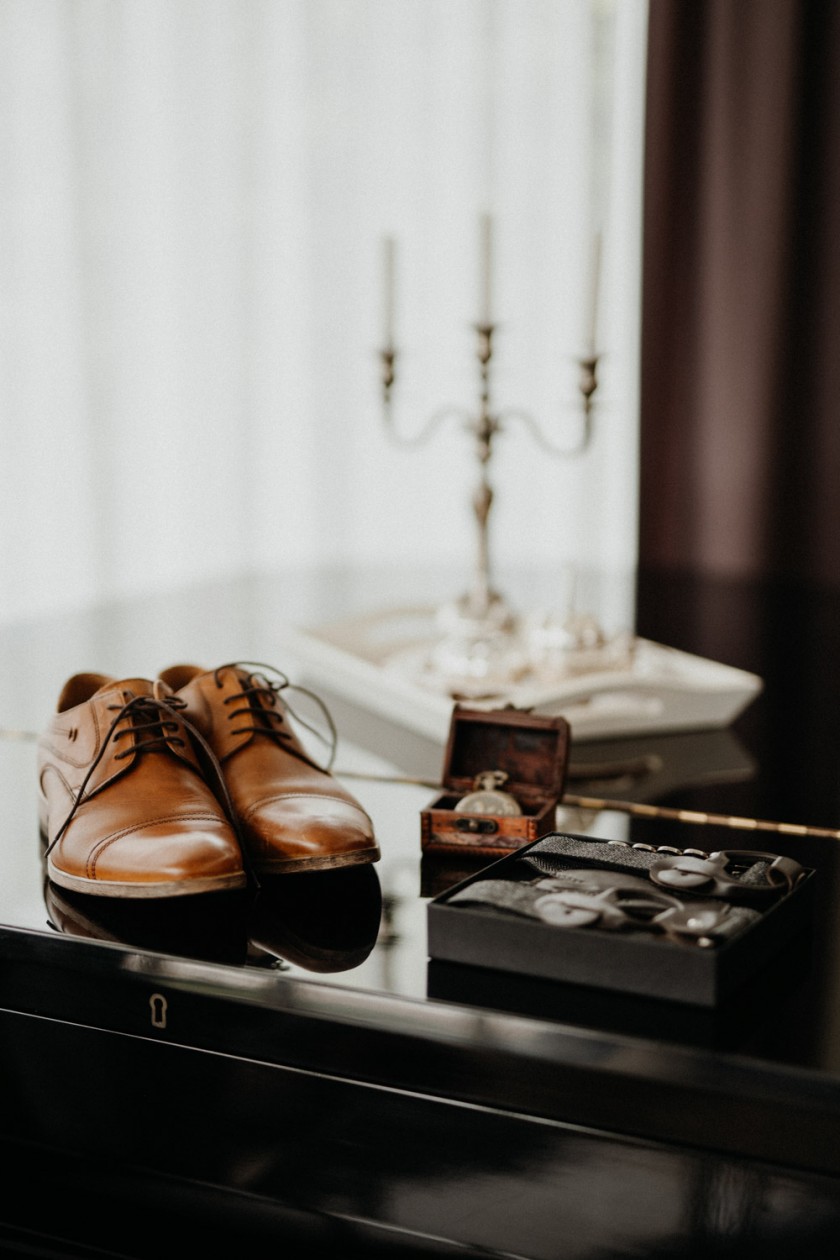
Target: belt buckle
x: 589, y: 898
x: 720, y: 874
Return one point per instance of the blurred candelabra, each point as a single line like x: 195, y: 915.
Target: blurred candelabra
x: 481, y: 624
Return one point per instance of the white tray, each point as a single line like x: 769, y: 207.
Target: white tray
x: 662, y: 689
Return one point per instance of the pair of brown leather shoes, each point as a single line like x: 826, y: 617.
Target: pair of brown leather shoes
x: 188, y: 783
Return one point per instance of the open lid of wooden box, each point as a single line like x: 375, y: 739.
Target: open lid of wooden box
x: 531, y: 748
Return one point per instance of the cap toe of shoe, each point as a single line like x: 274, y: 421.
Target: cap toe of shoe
x: 154, y: 859
x: 300, y: 831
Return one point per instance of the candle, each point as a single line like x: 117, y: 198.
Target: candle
x: 486, y: 271
x: 389, y: 253
x: 594, y: 289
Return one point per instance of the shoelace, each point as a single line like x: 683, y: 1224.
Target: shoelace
x: 261, y: 695
x: 154, y: 722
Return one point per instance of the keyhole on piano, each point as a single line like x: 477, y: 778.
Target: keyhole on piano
x: 157, y: 1002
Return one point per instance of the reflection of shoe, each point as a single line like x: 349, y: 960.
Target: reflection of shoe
x: 212, y: 929
x: 292, y: 814
x: 322, y: 920
x: 124, y: 805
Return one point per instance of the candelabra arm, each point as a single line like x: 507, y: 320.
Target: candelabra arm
x: 588, y: 384
x: 553, y: 448
x: 426, y: 430
x: 388, y: 357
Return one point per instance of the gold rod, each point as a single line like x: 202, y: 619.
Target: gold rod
x: 697, y: 816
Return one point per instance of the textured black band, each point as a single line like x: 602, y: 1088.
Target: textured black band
x: 548, y: 854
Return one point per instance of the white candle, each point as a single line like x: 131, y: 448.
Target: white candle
x: 389, y: 254
x: 594, y: 291
x: 486, y: 271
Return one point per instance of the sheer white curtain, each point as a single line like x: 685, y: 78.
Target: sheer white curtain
x: 193, y: 198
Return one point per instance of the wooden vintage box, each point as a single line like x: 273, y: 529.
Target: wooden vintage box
x: 531, y: 749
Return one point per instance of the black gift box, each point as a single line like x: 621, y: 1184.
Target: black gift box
x: 635, y: 962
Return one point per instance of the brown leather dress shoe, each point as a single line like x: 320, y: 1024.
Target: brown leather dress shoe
x: 292, y: 814
x: 124, y: 804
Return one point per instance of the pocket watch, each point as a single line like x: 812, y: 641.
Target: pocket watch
x: 486, y: 798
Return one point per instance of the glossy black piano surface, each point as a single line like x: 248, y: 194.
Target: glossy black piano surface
x: 288, y: 1064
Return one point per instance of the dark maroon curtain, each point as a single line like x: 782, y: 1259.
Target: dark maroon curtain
x: 740, y: 398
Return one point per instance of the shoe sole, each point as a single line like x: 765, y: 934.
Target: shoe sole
x: 280, y: 866
x: 167, y: 888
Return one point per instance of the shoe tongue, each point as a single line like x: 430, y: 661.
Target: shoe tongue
x: 249, y: 682
x: 239, y: 672
x: 128, y: 687
x: 178, y: 676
